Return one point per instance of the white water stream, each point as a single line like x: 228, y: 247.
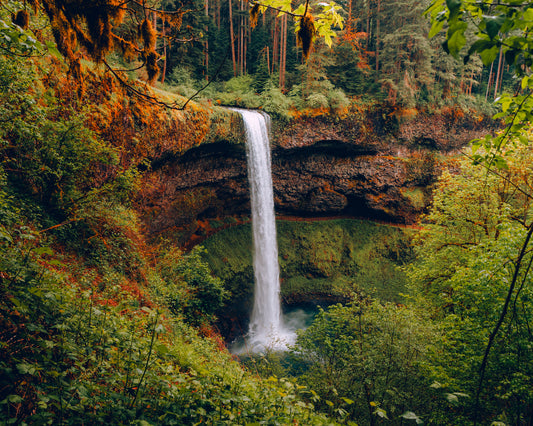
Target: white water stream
x: 267, y: 329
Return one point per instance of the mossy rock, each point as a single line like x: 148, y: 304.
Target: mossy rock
x: 320, y: 261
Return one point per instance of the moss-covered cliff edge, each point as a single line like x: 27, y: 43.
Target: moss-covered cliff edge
x: 373, y: 161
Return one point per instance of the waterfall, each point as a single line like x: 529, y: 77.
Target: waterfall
x: 266, y: 324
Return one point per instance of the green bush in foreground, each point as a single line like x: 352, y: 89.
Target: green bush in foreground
x: 365, y: 361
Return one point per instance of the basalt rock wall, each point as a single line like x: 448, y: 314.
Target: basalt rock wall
x: 375, y: 163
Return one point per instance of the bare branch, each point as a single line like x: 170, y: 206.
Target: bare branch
x: 144, y: 96
x: 277, y: 8
x: 499, y: 323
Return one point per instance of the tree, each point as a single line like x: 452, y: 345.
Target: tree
x: 472, y: 276
x: 316, y: 91
x: 497, y: 269
x: 350, y: 69
x: 406, y: 64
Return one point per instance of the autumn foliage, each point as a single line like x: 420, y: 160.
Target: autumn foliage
x: 92, y: 29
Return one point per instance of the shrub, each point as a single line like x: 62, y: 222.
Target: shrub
x: 188, y: 287
x: 275, y: 102
x: 182, y: 82
x: 366, y: 358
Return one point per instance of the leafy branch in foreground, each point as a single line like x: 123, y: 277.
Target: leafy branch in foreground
x: 311, y: 19
x: 502, y: 28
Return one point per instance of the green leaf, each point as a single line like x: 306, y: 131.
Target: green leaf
x: 456, y: 38
x: 452, y: 397
x: 476, y: 144
x: 528, y: 14
x: 435, y: 8
x: 52, y: 50
x: 43, y: 250
x: 454, y: 6
x: 5, y: 235
x: 489, y: 56
x: 510, y: 56
x: 380, y: 412
x: 493, y: 25
x: 436, y: 28
x: 481, y: 45
x: 25, y: 368
x: 409, y: 415
x: 524, y: 82
x: 15, y: 399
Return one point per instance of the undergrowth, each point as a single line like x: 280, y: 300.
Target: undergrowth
x: 88, y: 345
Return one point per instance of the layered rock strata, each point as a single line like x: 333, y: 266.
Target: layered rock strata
x: 375, y: 165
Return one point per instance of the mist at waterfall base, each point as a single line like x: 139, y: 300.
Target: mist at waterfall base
x: 269, y: 329
x: 292, y: 320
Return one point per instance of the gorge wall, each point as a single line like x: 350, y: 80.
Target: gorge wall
x: 374, y: 163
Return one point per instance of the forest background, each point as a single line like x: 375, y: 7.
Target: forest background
x: 382, y: 53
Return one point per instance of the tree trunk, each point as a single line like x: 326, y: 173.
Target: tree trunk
x: 240, y: 50
x: 367, y: 24
x: 243, y: 38
x: 206, y: 45
x: 232, y: 39
x: 498, y: 73
x: 349, y: 21
x: 164, y: 70
x: 489, y: 83
x: 247, y: 36
x: 218, y: 12
x: 378, y: 10
x: 275, y: 48
x: 283, y: 52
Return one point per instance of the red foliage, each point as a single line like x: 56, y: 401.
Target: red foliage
x: 209, y: 332
x: 354, y: 39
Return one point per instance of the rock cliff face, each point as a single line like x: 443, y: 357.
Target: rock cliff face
x: 373, y: 163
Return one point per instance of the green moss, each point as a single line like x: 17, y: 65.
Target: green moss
x: 320, y: 259
x: 416, y: 196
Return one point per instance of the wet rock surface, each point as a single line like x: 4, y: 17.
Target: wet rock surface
x: 376, y: 167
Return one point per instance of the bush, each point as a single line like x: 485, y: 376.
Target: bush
x: 319, y: 94
x: 471, y: 250
x: 50, y: 153
x: 182, y: 82
x: 275, y: 102
x: 82, y: 346
x: 367, y: 358
x: 188, y: 288
x: 316, y: 100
